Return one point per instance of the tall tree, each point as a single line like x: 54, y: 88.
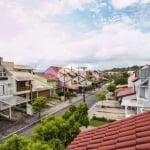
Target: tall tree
x: 38, y: 104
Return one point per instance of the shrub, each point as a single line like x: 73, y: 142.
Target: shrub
x: 56, y: 96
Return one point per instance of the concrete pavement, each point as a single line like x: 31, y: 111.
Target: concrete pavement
x: 111, y: 110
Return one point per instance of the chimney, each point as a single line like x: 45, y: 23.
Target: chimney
x: 1, y: 60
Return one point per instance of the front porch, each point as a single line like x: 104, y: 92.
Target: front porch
x: 7, y: 102
x: 129, y: 103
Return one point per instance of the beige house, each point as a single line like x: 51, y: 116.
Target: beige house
x: 24, y: 83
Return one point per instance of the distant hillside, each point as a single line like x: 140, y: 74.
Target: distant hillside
x: 124, y: 69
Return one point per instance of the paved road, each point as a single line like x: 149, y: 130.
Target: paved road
x: 90, y: 100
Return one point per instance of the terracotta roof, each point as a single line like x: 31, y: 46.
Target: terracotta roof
x: 125, y: 91
x: 119, y: 89
x: 52, y: 69
x: 56, y: 68
x: 49, y: 77
x: 132, y: 133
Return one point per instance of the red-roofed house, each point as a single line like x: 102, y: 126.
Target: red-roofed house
x: 132, y: 133
x: 125, y: 92
x: 52, y: 70
x: 50, y: 80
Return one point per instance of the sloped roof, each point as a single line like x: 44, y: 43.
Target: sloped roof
x: 22, y: 76
x: 132, y: 133
x: 39, y: 86
x: 49, y: 77
x: 26, y: 67
x: 125, y: 91
x: 53, y: 68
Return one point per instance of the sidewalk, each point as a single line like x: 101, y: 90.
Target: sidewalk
x: 8, y: 127
x: 112, y: 110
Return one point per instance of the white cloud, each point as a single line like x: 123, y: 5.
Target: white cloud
x: 145, y: 1
x: 118, y: 4
x: 27, y: 38
x: 58, y: 7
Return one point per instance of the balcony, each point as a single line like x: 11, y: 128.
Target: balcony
x: 19, y: 89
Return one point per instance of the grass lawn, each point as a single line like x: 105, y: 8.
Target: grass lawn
x: 99, y: 122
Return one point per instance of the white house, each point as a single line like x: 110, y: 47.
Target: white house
x: 143, y: 89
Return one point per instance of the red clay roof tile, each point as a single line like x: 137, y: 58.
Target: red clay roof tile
x: 126, y: 134
x: 143, y: 146
x: 125, y: 91
x: 125, y: 144
x: 128, y: 148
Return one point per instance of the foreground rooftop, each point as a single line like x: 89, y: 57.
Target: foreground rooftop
x: 132, y: 133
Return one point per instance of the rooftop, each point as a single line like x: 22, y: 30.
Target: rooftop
x: 125, y: 91
x: 49, y: 77
x: 132, y: 133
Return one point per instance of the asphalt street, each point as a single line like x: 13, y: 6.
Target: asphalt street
x: 90, y: 100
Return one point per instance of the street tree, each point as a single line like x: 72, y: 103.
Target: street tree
x: 56, y: 128
x: 38, y: 104
x: 111, y: 87
x: 120, y: 80
x: 101, y: 97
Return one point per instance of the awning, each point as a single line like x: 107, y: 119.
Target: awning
x: 129, y: 101
x: 10, y: 101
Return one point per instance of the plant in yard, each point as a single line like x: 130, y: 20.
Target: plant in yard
x: 38, y: 104
x: 101, y: 97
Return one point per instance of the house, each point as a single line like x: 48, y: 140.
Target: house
x: 131, y: 133
x: 143, y: 89
x: 7, y: 97
x: 138, y: 91
x: 94, y: 77
x: 23, y: 82
x: 6, y: 87
x: 50, y: 80
x: 52, y: 70
x: 67, y: 79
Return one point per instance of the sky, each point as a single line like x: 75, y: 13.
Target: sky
x: 98, y: 34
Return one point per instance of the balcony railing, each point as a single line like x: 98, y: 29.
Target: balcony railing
x: 23, y: 88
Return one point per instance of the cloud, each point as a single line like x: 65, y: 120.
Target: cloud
x: 118, y: 4
x: 58, y: 7
x: 145, y: 1
x: 30, y: 37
